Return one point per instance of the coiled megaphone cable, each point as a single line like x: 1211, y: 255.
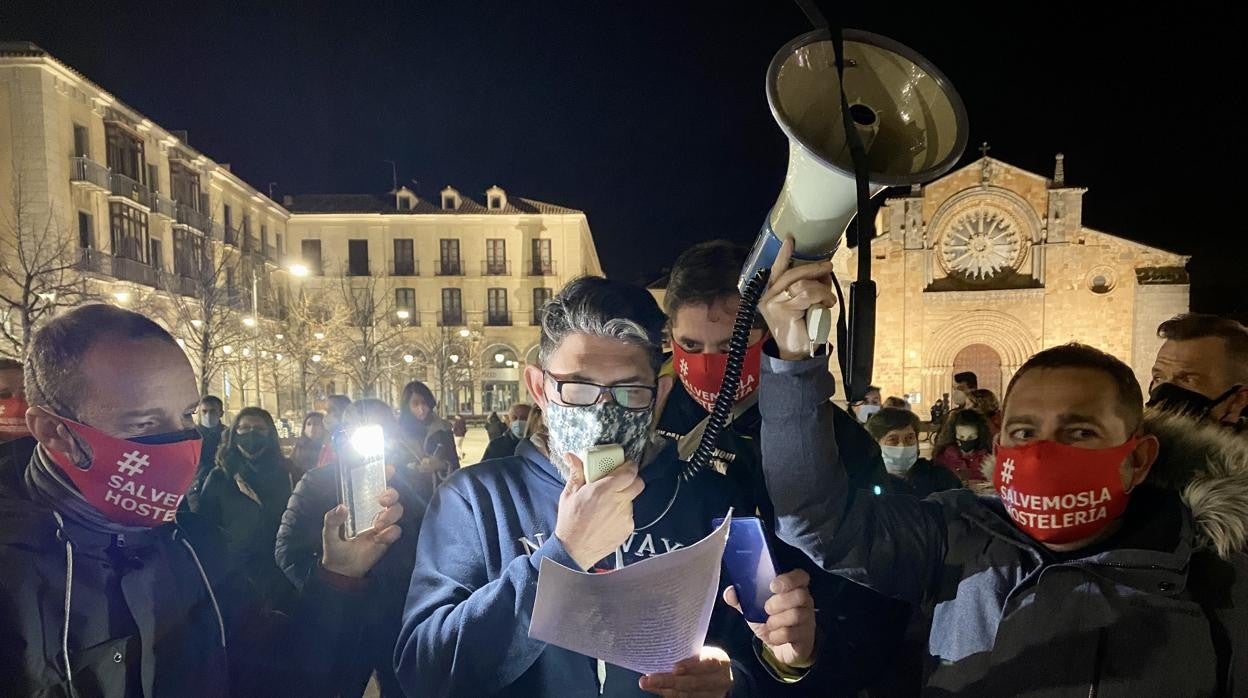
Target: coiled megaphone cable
x: 737, y: 347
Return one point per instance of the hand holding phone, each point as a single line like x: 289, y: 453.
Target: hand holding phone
x: 361, y: 475
x: 750, y: 566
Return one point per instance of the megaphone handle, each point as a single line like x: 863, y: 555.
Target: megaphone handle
x: 818, y: 326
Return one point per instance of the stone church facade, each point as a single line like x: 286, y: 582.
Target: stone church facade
x: 990, y: 264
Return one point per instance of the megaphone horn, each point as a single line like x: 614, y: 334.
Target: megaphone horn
x: 911, y: 122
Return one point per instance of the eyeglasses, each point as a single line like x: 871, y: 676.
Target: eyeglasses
x: 582, y: 394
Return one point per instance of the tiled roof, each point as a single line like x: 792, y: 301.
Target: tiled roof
x: 384, y: 203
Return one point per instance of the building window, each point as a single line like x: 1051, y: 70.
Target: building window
x: 361, y: 307
x: 448, y: 263
x: 128, y: 230
x: 452, y: 307
x: 540, y: 297
x: 496, y: 307
x: 281, y: 244
x: 228, y: 215
x: 496, y: 257
x: 188, y: 253
x: 542, y: 263
x: 82, y: 141
x: 405, y: 204
x: 264, y: 238
x: 153, y: 177
x: 357, y: 257
x: 249, y: 245
x: 184, y: 185
x: 404, y: 257
x: 405, y: 303
x: 86, y: 231
x: 1101, y: 280
x: 496, y: 203
x: 310, y: 251
x: 125, y: 153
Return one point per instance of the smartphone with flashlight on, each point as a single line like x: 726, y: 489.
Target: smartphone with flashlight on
x: 750, y: 566
x: 361, y: 475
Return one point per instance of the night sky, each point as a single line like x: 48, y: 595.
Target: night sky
x: 651, y: 116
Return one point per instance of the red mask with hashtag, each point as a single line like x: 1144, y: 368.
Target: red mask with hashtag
x: 132, y: 482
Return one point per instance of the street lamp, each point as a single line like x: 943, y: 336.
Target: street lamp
x: 408, y: 358
x: 227, y: 350
x: 122, y: 296
x: 249, y: 321
x: 454, y: 358
x: 316, y: 358
x: 299, y: 270
x: 197, y: 324
x: 403, y: 314
x: 319, y: 335
x: 465, y: 333
x: 499, y: 358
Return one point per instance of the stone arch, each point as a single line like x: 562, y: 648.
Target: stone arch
x: 1001, y: 332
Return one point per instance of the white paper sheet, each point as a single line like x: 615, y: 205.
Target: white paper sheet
x: 645, y: 617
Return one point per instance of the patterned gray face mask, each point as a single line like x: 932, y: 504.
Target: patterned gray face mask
x: 572, y: 429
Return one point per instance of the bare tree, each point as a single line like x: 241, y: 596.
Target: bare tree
x: 371, y: 331
x: 306, y: 345
x: 451, y: 358
x: 39, y: 271
x: 207, y: 312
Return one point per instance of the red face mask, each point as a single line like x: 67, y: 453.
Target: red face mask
x: 131, y: 481
x: 1059, y: 493
x: 13, y: 417
x: 702, y: 374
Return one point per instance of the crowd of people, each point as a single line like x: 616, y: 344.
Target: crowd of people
x: 1079, y: 535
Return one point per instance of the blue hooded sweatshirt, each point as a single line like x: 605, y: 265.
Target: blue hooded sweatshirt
x: 466, y: 623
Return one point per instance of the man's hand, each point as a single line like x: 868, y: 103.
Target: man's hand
x: 354, y: 558
x: 597, y: 518
x: 790, y: 627
x: 708, y: 675
x: 790, y: 293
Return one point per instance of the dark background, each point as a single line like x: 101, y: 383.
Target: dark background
x: 651, y: 116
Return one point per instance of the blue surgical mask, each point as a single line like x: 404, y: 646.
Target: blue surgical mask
x: 517, y: 428
x: 899, y: 459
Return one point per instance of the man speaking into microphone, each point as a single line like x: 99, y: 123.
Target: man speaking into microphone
x: 1081, y: 578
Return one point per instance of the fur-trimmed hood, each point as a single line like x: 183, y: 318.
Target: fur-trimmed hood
x: 1207, y: 464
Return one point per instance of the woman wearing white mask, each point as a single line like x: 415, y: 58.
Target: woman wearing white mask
x: 897, y: 432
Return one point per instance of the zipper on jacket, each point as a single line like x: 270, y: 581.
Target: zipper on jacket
x: 1094, y: 688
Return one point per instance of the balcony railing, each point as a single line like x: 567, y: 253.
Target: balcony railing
x: 500, y: 267
x: 88, y: 171
x: 164, y: 206
x: 94, y: 262
x: 138, y: 272
x: 498, y: 318
x: 448, y: 267
x: 405, y: 268
x: 121, y: 185
x: 185, y: 215
x: 447, y: 318
x: 542, y: 267
x: 186, y: 285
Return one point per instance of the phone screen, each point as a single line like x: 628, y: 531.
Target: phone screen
x: 749, y: 564
x: 362, y: 475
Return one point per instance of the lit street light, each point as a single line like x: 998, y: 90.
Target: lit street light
x: 454, y: 358
x: 409, y: 358
x: 300, y: 270
x: 464, y: 332
x: 249, y: 321
x: 122, y: 296
x: 227, y: 350
x: 316, y: 358
x: 403, y: 314
x: 319, y: 335
x: 499, y: 358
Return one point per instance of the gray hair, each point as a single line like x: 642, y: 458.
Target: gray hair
x: 606, y: 308
x: 53, y: 376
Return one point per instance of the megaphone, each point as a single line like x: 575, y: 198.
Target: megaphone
x: 910, y: 120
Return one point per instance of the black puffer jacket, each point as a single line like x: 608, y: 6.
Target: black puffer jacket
x: 348, y: 633
x: 139, y: 614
